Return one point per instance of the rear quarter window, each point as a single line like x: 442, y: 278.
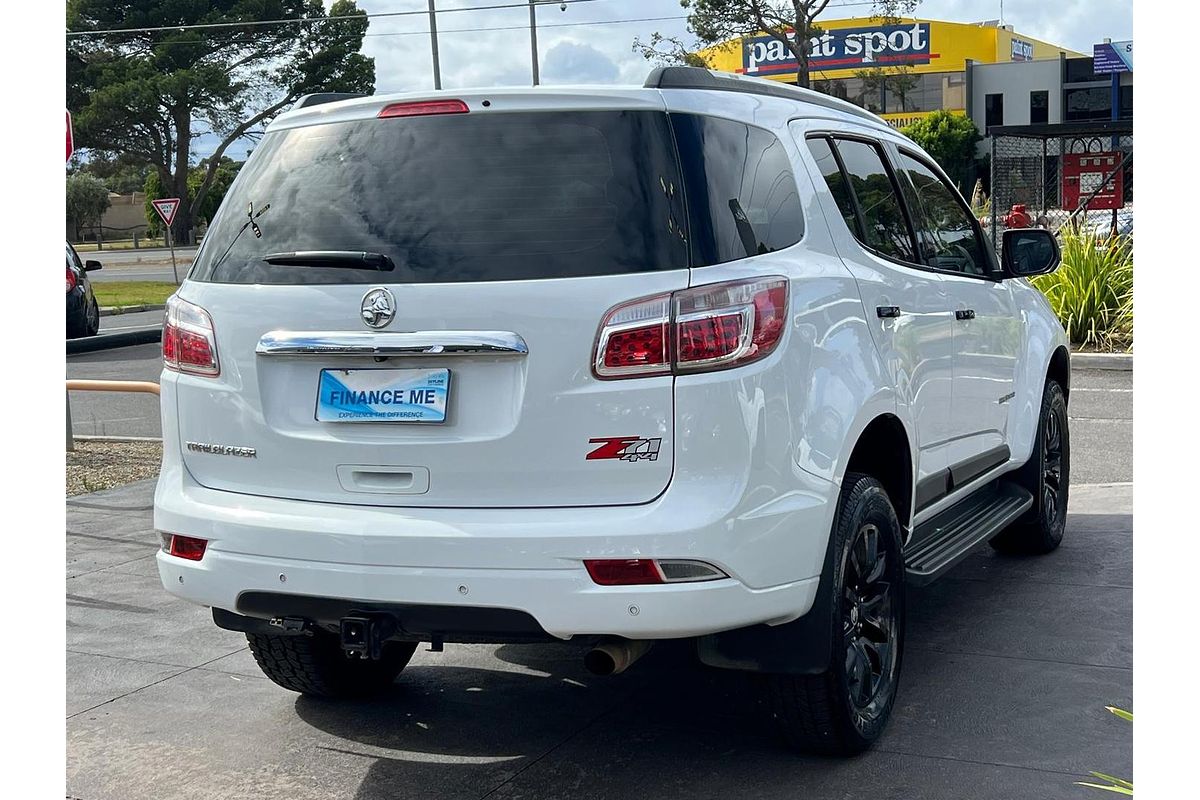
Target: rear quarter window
x: 463, y: 197
x: 742, y: 196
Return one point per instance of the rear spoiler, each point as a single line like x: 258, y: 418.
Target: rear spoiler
x: 319, y: 98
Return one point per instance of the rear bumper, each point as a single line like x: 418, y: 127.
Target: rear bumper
x: 524, y: 560
x: 563, y: 603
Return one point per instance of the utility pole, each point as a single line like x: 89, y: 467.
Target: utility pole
x: 533, y: 48
x: 433, y: 43
x: 533, y: 39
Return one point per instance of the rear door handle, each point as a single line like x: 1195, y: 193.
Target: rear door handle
x: 887, y: 312
x: 964, y: 313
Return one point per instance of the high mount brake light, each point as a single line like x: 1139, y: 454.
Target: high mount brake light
x: 701, y: 329
x: 188, y: 341
x: 423, y: 108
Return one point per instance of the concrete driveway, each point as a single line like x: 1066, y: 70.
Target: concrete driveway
x: 1009, y: 664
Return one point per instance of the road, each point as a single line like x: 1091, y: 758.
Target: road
x: 139, y: 265
x: 1008, y: 665
x: 118, y: 323
x: 110, y: 413
x: 1101, y: 406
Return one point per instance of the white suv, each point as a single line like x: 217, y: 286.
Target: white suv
x: 713, y: 358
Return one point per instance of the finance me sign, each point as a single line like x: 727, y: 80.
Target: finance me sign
x: 844, y: 48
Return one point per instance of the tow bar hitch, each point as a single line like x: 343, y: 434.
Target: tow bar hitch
x: 363, y: 637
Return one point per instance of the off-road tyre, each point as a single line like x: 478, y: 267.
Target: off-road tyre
x: 819, y: 713
x: 316, y: 666
x: 1047, y: 475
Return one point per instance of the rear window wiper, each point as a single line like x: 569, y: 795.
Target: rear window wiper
x: 349, y: 259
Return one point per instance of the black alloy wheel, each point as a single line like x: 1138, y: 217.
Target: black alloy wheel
x: 869, y: 624
x: 1052, y: 470
x: 1047, y: 476
x: 844, y: 709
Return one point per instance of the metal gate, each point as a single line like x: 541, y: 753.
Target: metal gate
x: 1032, y: 183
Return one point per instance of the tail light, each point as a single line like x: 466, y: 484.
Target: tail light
x: 188, y: 341
x: 700, y: 329
x: 71, y: 279
x: 635, y: 339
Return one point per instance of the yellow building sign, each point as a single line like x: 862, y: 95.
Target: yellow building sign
x: 848, y: 46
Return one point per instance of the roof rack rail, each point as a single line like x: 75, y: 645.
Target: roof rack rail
x: 700, y: 78
x: 319, y: 98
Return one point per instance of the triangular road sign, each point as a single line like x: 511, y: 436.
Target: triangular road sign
x: 166, y: 208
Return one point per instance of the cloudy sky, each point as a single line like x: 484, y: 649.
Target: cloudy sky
x: 591, y: 42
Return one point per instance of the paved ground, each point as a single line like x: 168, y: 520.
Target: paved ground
x: 139, y: 265
x: 1101, y: 412
x: 109, y: 413
x: 1009, y: 665
x: 117, y: 323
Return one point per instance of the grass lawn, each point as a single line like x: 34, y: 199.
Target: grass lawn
x: 122, y: 244
x: 133, y: 293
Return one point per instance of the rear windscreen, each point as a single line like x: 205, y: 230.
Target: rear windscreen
x: 459, y: 197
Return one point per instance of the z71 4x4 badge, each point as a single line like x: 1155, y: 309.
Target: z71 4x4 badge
x: 625, y: 448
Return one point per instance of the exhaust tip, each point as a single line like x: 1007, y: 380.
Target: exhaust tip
x: 612, y: 656
x: 599, y: 662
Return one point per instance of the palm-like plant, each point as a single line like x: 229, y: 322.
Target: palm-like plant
x: 1092, y: 292
x: 1111, y: 784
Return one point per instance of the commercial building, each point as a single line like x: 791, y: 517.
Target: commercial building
x: 1069, y: 89
x: 900, y: 69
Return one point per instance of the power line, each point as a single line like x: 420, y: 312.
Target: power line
x: 526, y: 27
x: 330, y: 18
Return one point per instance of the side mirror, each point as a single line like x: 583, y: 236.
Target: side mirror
x: 1029, y: 251
x: 91, y: 265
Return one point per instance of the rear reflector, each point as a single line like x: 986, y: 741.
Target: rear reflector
x: 623, y: 571
x: 422, y: 108
x: 642, y: 571
x: 186, y: 547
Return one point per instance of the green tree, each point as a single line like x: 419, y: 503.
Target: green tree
x: 203, y: 211
x: 791, y: 22
x: 123, y: 174
x: 87, y: 200
x: 950, y: 139
x: 872, y: 81
x: 147, y: 93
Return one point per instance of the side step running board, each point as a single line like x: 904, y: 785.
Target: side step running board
x: 943, y: 541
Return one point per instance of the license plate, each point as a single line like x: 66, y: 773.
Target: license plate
x: 383, y: 395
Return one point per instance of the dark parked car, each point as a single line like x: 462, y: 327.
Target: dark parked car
x: 83, y: 312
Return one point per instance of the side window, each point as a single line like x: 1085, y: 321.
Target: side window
x: 884, y: 227
x: 742, y: 196
x: 836, y: 181
x: 945, y: 229
x: 73, y: 258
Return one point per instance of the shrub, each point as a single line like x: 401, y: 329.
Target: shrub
x: 950, y: 138
x: 1092, y: 291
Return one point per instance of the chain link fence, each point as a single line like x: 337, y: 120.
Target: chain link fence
x: 1039, y: 178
